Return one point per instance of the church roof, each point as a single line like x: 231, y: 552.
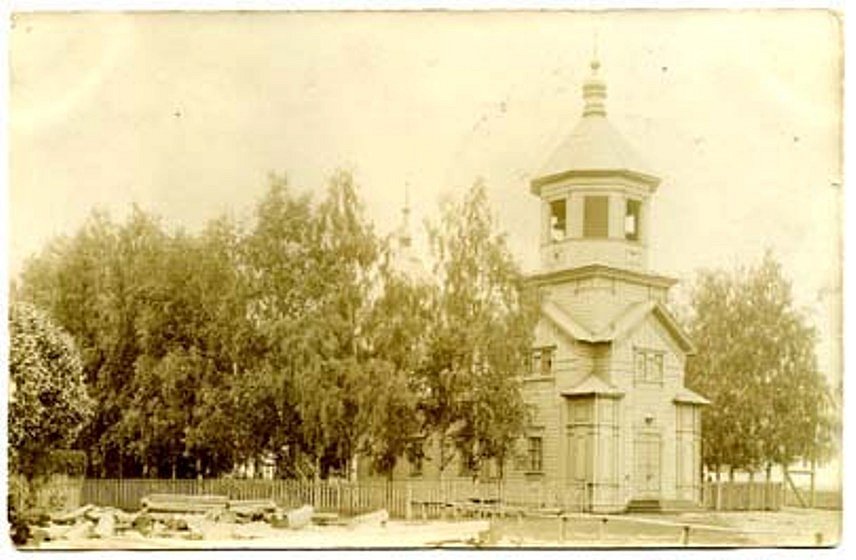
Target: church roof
x: 623, y: 323
x: 688, y: 396
x: 595, y: 270
x: 634, y: 313
x: 565, y: 322
x: 594, y: 145
x: 593, y: 385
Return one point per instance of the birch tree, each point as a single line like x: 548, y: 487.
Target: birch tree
x: 756, y: 361
x: 472, y: 400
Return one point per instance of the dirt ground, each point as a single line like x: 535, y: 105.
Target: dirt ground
x: 218, y: 535
x: 789, y: 527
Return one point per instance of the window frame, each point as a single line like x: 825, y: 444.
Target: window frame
x: 537, y: 362
x: 593, y: 228
x: 636, y: 214
x: 558, y: 226
x: 417, y: 467
x: 534, y: 454
x: 649, y: 366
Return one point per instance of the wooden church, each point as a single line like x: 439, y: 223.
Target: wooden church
x: 611, y: 425
x: 611, y: 418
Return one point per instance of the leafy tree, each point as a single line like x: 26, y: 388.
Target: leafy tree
x: 133, y: 295
x: 336, y: 395
x: 756, y: 362
x: 470, y: 391
x: 310, y: 273
x: 70, y: 280
x: 293, y: 337
x: 397, y: 328
x: 48, y: 399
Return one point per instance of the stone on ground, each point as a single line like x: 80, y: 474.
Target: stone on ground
x: 379, y: 517
x: 300, y: 517
x: 72, y: 516
x: 106, y: 526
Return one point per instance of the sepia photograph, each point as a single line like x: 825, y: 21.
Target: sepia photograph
x: 491, y: 279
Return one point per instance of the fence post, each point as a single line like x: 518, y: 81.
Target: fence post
x: 718, y: 496
x: 408, y: 505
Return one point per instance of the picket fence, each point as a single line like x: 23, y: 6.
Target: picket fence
x: 743, y: 496
x: 402, y: 498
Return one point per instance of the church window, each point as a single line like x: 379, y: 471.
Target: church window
x: 596, y: 217
x: 632, y: 220
x: 535, y: 454
x: 581, y: 411
x: 558, y: 220
x: 546, y: 361
x: 648, y: 366
x: 416, y: 466
x: 542, y: 361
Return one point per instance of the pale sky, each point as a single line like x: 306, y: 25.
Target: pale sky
x: 738, y: 112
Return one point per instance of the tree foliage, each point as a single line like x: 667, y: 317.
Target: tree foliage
x: 290, y: 337
x: 756, y: 362
x: 48, y: 403
x: 478, y: 346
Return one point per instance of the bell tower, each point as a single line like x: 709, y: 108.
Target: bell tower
x: 595, y: 194
x: 612, y: 413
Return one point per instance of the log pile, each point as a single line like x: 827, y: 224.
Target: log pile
x: 182, y: 516
x: 208, y: 517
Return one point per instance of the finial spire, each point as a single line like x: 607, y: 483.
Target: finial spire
x: 404, y: 236
x: 594, y: 89
x: 594, y: 46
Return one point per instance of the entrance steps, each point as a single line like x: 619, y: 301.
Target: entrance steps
x: 651, y: 505
x: 656, y: 505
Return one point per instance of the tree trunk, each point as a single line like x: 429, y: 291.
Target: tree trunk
x: 812, y: 498
x: 442, y: 466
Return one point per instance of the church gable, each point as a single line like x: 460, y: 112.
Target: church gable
x: 638, y: 314
x: 557, y: 352
x: 648, y: 353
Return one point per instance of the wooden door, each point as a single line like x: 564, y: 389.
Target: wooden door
x: 647, y: 451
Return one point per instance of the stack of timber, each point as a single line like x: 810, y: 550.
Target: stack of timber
x: 183, y: 503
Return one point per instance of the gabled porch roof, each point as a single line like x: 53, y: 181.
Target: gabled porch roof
x: 688, y: 396
x: 593, y: 385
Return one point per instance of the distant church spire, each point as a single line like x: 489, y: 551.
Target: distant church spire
x: 405, y: 262
x: 594, y: 91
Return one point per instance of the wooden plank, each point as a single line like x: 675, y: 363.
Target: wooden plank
x: 796, y: 490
